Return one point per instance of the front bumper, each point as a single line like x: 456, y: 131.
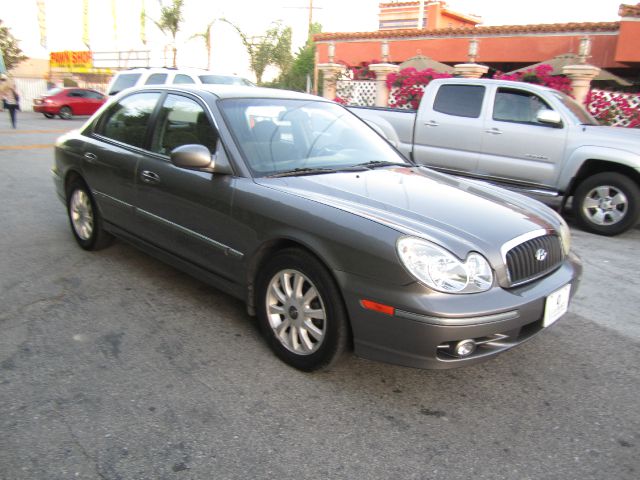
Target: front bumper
x: 423, y: 320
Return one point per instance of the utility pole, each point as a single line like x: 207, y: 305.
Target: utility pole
x: 310, y: 8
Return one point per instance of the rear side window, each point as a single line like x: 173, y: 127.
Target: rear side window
x: 156, y: 79
x: 126, y: 80
x: 92, y: 94
x: 180, y: 78
x: 459, y: 100
x: 127, y: 120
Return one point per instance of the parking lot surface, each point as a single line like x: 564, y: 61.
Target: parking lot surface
x: 114, y: 365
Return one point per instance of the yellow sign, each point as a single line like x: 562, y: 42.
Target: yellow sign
x: 71, y: 61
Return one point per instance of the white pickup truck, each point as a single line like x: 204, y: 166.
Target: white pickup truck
x: 524, y: 137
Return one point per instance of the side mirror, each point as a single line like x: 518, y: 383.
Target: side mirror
x: 549, y: 117
x: 198, y: 157
x: 193, y: 157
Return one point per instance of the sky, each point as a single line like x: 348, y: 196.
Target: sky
x: 64, y: 23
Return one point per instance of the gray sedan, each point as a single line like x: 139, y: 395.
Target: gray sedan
x: 329, y: 235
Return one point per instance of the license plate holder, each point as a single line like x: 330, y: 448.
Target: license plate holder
x: 556, y: 305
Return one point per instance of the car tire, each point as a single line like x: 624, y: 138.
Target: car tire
x: 65, y: 113
x: 49, y: 115
x: 300, y: 311
x: 607, y: 203
x: 84, y: 218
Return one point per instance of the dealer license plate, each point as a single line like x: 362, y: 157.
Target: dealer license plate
x: 556, y: 305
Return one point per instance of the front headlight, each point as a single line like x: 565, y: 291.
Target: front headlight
x: 565, y: 236
x: 440, y: 270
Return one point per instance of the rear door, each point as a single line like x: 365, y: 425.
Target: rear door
x: 112, y: 153
x: 448, y: 132
x: 516, y: 147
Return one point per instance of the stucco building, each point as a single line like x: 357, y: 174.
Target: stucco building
x: 445, y: 36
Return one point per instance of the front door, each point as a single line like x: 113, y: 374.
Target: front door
x: 183, y: 211
x: 516, y: 147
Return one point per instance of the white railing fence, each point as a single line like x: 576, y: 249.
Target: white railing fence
x: 358, y: 93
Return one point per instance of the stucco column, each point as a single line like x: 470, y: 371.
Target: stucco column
x: 470, y: 70
x: 330, y: 73
x: 580, y: 76
x: 382, y: 92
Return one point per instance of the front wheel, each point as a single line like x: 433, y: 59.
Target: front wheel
x: 607, y: 203
x: 300, y: 311
x: 84, y: 218
x: 65, y: 113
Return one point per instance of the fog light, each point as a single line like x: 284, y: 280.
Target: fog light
x: 464, y: 348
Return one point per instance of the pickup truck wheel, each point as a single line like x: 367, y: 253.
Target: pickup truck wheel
x: 84, y: 218
x: 607, y: 203
x: 300, y: 311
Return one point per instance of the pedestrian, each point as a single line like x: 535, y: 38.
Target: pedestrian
x: 10, y: 98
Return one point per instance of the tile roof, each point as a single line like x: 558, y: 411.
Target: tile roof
x: 476, y: 31
x: 629, y: 10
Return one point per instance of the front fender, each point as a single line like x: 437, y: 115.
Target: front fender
x: 581, y: 155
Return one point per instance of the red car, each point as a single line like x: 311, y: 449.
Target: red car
x: 67, y: 102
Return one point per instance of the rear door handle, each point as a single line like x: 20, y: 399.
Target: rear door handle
x: 494, y: 131
x: 431, y: 123
x: 149, y: 177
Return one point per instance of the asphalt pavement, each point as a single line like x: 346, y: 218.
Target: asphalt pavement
x: 114, y: 365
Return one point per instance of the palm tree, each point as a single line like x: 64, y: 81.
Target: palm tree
x: 206, y: 36
x: 170, y: 18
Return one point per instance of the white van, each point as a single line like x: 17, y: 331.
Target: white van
x: 164, y: 76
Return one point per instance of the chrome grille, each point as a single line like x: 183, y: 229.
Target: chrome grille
x: 533, y: 258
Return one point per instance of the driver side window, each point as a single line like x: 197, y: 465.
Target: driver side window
x: 518, y: 106
x: 183, y: 121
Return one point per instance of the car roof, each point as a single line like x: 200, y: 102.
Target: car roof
x: 231, y: 91
x: 192, y: 71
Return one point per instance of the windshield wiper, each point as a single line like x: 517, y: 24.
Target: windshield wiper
x: 383, y: 163
x: 295, y: 172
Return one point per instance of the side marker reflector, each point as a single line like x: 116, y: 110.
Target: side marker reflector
x: 378, y: 307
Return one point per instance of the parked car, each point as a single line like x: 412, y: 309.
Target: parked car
x: 293, y: 204
x: 170, y: 76
x: 67, y: 102
x: 526, y: 137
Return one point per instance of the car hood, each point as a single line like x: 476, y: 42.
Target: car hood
x: 613, y: 137
x: 464, y: 215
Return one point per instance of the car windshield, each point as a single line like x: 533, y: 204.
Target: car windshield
x: 225, y: 80
x: 278, y: 136
x: 580, y: 115
x: 52, y: 91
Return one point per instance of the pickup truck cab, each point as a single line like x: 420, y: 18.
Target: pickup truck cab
x: 524, y: 137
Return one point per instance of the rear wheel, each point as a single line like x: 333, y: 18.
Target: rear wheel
x: 84, y: 218
x: 300, y: 311
x: 65, y: 113
x: 607, y: 203
x: 49, y: 115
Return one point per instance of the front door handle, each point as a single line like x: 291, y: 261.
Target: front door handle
x: 494, y: 131
x: 149, y: 177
